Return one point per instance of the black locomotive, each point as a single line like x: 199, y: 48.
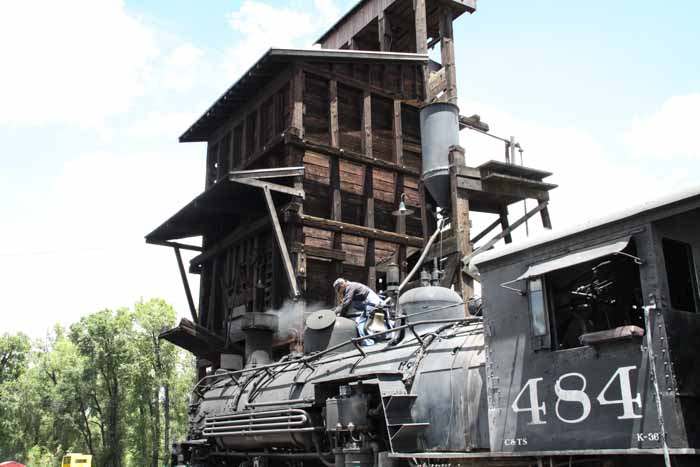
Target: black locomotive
x: 583, y: 353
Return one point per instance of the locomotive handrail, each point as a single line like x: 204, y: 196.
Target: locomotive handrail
x: 280, y: 402
x: 354, y: 341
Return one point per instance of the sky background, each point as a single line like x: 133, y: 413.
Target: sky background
x: 94, y: 94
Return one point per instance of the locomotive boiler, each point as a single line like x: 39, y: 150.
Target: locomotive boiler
x: 344, y: 403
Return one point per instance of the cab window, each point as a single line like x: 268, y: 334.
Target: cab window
x: 680, y: 274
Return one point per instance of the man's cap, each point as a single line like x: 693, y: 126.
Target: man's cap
x: 338, y: 282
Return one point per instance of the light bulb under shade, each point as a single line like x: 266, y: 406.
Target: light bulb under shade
x: 402, y: 211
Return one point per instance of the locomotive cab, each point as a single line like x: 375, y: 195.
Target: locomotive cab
x: 591, y: 335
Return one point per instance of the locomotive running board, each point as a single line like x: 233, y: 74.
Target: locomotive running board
x: 583, y: 452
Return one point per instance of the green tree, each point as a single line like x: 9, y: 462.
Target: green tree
x: 14, y: 357
x: 105, y: 339
x: 108, y: 386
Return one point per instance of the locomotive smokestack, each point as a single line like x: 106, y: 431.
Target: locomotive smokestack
x: 259, y: 330
x: 439, y: 127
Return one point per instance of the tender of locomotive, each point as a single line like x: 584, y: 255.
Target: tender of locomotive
x: 585, y: 354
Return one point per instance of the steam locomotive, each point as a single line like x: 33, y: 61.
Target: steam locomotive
x: 583, y: 352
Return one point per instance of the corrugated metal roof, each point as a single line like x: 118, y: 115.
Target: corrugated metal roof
x: 266, y: 68
x: 550, y: 236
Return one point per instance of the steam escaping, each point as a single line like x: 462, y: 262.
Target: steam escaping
x: 291, y: 316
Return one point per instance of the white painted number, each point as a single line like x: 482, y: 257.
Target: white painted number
x: 627, y: 401
x: 579, y: 396
x: 535, y: 407
x: 572, y: 395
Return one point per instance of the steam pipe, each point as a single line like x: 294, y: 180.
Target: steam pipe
x: 419, y: 263
x: 317, y: 446
x: 274, y: 455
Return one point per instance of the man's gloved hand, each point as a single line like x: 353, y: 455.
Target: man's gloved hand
x: 338, y: 311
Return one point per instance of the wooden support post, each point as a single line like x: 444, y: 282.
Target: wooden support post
x: 333, y: 114
x: 258, y: 129
x: 297, y: 234
x: 281, y: 244
x: 447, y: 52
x: 503, y: 217
x: 513, y: 226
x: 273, y: 117
x: 400, y: 226
x: 459, y: 220
x: 336, y: 210
x: 486, y: 231
x: 421, y: 27
x: 398, y: 133
x: 546, y: 220
x: 297, y: 99
x: 369, y: 196
x: 185, y: 284
x: 211, y: 312
x: 336, y: 205
x: 367, y: 124
x: 244, y: 142
x: 370, y: 262
x: 426, y: 217
x: 385, y: 38
x: 421, y: 37
x: 369, y: 222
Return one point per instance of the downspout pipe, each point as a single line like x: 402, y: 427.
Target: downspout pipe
x: 419, y: 263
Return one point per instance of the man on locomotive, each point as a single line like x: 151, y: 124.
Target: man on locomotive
x: 358, y: 302
x: 354, y: 295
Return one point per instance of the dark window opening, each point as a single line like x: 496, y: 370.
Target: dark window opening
x: 350, y: 108
x: 316, y: 109
x: 599, y: 295
x: 223, y: 164
x: 680, y: 273
x: 236, y: 154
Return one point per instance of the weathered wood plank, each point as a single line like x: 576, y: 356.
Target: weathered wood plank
x: 421, y: 26
x: 459, y: 222
x: 353, y: 229
x: 436, y: 83
x: 503, y: 218
x: 367, y: 124
x: 281, y: 243
x: 355, y: 157
x: 447, y: 52
x: 327, y: 253
x: 398, y: 133
x: 317, y: 173
x: 333, y: 113
x: 185, y: 284
x: 297, y: 97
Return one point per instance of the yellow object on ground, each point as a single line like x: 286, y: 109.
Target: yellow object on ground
x: 77, y: 460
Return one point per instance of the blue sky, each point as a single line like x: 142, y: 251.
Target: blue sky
x: 94, y: 93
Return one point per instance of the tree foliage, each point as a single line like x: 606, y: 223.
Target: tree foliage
x: 107, y: 386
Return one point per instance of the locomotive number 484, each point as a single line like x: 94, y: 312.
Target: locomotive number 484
x: 563, y: 388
